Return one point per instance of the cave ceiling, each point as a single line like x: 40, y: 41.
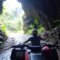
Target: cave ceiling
x: 50, y: 8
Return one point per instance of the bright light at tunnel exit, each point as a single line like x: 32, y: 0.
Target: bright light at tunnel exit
x: 11, y: 5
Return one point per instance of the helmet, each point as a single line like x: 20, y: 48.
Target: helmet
x: 34, y: 32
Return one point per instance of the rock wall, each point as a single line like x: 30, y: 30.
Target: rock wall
x: 53, y: 35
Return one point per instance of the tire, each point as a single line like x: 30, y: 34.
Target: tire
x: 15, y: 57
x: 54, y: 55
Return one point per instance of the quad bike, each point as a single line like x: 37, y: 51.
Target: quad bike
x: 27, y: 52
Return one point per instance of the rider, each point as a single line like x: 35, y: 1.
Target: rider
x: 35, y: 39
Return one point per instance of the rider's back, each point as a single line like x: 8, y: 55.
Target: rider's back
x: 35, y: 40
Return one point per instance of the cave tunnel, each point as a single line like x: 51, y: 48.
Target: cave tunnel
x: 48, y: 7
x: 49, y: 10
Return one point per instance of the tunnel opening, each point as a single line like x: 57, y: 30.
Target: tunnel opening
x: 11, y: 21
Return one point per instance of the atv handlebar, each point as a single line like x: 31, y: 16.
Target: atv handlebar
x: 31, y: 47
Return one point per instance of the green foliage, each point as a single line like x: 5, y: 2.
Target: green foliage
x: 57, y: 23
x: 41, y: 30
x: 35, y: 25
x: 3, y: 27
x: 10, y: 21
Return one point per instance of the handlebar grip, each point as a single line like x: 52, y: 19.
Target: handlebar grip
x: 13, y: 46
